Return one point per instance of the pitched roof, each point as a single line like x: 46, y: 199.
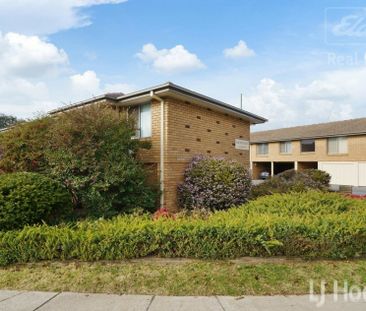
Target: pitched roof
x: 330, y: 129
x: 171, y: 89
x: 111, y: 96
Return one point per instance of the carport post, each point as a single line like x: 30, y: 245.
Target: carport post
x: 296, y: 165
x: 272, y: 168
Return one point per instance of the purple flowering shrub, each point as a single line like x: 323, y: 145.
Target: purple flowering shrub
x: 214, y: 184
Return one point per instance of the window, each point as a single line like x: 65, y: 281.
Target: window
x: 145, y: 120
x: 285, y: 147
x: 308, y: 145
x: 142, y: 115
x: 262, y: 149
x: 337, y: 145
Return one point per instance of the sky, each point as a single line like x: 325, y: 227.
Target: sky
x: 296, y: 62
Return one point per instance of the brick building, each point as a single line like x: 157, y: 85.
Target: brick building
x: 181, y: 123
x: 338, y: 148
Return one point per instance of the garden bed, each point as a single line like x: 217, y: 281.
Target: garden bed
x: 308, y: 225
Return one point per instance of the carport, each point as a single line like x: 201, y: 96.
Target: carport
x: 279, y: 167
x: 306, y: 165
x: 259, y: 167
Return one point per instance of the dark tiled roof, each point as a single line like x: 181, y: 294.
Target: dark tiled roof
x: 114, y: 95
x: 331, y: 129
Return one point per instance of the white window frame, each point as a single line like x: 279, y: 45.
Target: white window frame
x: 287, y: 147
x: 339, y: 148
x: 139, y: 133
x: 259, y: 149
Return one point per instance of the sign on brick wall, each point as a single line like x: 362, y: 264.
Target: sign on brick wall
x: 241, y: 144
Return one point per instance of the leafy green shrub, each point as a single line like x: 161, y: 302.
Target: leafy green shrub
x: 319, y: 176
x: 293, y: 181
x: 90, y: 151
x: 93, y: 154
x: 30, y: 198
x: 214, y: 184
x: 311, y: 224
x: 23, y: 146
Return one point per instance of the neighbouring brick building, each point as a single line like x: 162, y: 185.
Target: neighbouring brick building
x: 338, y: 148
x: 181, y: 123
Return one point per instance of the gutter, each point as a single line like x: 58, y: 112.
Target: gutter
x: 255, y: 119
x: 169, y: 87
x: 162, y: 145
x: 107, y: 96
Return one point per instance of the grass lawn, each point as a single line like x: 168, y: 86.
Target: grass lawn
x: 192, y: 277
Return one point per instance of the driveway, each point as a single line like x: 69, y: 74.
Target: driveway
x: 32, y: 301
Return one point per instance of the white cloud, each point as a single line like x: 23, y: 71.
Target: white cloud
x: 25, y: 61
x: 336, y: 95
x: 271, y: 101
x: 241, y: 50
x: 81, y: 3
x: 88, y: 84
x: 22, y: 55
x: 176, y: 59
x: 45, y: 16
x: 34, y: 73
x: 23, y: 98
x: 118, y: 87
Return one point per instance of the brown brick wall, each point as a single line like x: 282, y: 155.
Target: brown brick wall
x: 196, y: 130
x: 356, y: 152
x: 191, y: 130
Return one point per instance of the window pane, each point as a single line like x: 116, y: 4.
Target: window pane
x: 332, y: 145
x: 343, y: 145
x: 308, y: 145
x: 262, y: 149
x: 337, y: 145
x: 145, y: 120
x: 289, y: 147
x: 285, y: 147
x: 282, y: 147
x: 133, y: 115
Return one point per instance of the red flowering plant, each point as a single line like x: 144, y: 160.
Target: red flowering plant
x: 356, y: 196
x: 163, y: 212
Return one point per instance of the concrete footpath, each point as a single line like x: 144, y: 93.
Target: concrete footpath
x: 31, y: 301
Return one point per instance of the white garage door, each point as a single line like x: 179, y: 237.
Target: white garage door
x: 342, y: 173
x: 362, y: 173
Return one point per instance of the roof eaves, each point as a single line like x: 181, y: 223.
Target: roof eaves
x: 174, y: 87
x: 111, y: 96
x: 218, y: 102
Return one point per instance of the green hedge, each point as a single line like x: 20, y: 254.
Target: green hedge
x: 31, y: 198
x: 311, y: 224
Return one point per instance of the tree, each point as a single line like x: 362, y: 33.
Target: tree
x: 7, y: 120
x: 23, y: 147
x: 90, y: 151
